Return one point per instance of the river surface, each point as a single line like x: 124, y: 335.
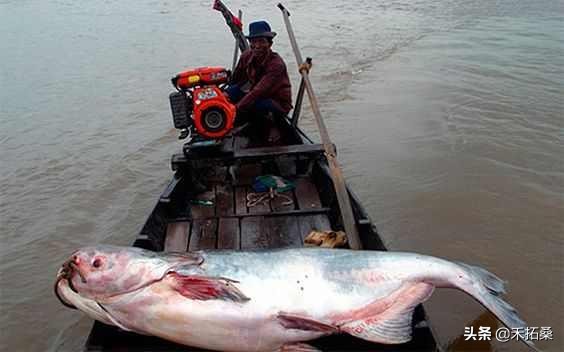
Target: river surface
x: 448, y: 116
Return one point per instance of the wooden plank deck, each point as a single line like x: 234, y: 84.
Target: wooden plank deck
x: 178, y: 234
x: 203, y: 211
x: 203, y: 235
x: 312, y: 222
x: 241, y: 200
x: 307, y: 194
x: 228, y: 234
x: 230, y: 224
x: 224, y: 200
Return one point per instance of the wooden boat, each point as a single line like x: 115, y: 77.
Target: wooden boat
x: 210, y: 204
x: 220, y: 218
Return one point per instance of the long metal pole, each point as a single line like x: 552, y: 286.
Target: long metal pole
x: 336, y: 173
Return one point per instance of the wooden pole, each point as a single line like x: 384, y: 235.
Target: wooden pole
x: 299, y: 99
x: 336, y: 173
x: 234, y: 24
x: 236, y: 52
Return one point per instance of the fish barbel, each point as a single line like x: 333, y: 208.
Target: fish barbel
x: 266, y: 300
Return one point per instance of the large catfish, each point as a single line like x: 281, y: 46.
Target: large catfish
x: 266, y: 300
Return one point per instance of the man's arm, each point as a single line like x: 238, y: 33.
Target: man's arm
x: 272, y: 76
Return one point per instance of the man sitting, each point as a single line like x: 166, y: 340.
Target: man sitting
x: 260, y: 85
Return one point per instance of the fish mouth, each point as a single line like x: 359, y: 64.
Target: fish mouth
x: 66, y: 272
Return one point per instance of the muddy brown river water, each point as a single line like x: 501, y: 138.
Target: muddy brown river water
x: 448, y: 116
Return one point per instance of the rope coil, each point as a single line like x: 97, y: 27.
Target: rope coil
x: 304, y: 67
x: 255, y: 198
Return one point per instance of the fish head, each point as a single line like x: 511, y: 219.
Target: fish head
x: 102, y: 272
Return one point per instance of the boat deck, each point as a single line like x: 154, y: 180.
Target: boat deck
x: 230, y: 224
x: 220, y: 218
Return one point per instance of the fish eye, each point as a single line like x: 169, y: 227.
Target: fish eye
x: 97, y: 263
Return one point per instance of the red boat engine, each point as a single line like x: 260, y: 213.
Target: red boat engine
x: 201, y: 104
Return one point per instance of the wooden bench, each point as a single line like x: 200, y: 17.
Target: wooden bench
x: 179, y: 160
x: 265, y: 152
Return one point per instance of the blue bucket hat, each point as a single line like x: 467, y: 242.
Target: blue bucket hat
x: 260, y: 29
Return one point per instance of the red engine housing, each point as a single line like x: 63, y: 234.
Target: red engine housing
x: 213, y: 114
x: 201, y: 76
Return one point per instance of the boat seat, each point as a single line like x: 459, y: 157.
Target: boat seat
x: 265, y: 152
x: 179, y: 160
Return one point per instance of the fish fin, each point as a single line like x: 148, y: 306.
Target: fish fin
x: 292, y: 321
x: 394, y: 324
x: 487, y: 288
x: 390, y: 331
x: 112, y: 318
x: 185, y: 258
x: 205, y: 288
x: 298, y: 347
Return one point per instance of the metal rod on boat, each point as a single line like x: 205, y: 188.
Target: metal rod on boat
x: 234, y: 24
x: 299, y: 99
x: 336, y: 173
x: 236, y: 52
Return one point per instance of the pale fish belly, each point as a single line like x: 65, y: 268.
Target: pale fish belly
x: 299, y: 289
x: 214, y: 324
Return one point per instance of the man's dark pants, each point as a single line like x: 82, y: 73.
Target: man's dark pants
x: 262, y: 116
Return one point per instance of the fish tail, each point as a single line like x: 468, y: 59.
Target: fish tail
x: 493, y: 284
x: 487, y: 288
